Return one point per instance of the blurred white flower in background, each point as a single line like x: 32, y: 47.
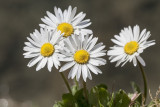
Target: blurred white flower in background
x: 3, y: 103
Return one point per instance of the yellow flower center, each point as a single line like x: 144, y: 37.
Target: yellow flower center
x: 65, y: 28
x: 131, y: 47
x: 81, y: 56
x: 47, y: 49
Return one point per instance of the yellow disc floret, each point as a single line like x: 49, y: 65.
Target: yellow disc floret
x: 81, y: 56
x: 47, y: 49
x: 131, y: 47
x: 65, y: 28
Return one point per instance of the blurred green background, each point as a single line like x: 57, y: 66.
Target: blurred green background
x: 21, y: 86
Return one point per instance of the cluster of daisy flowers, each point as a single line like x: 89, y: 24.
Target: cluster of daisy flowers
x: 64, y: 37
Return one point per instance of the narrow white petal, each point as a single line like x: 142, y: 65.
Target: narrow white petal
x: 79, y: 72
x: 97, y: 55
x: 34, y: 61
x: 141, y: 60
x: 92, y: 68
x: 75, y: 70
x: 73, y: 14
x: 136, y: 31
x: 92, y: 44
x: 117, y: 42
x: 89, y: 75
x: 70, y: 73
x: 66, y: 66
x: 41, y: 64
x: 44, y: 62
x: 97, y: 61
x: 84, y: 72
x: 97, y: 50
x: 134, y: 61
x: 50, y: 64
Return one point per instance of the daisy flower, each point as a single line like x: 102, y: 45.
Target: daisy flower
x: 43, y: 49
x: 129, y: 45
x: 83, y: 55
x: 67, y: 22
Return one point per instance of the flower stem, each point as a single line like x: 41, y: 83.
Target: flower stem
x: 85, y: 90
x: 66, y: 82
x: 144, y: 80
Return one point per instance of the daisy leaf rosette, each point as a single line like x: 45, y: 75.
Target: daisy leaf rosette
x: 67, y: 21
x: 83, y: 56
x: 129, y: 44
x: 43, y: 48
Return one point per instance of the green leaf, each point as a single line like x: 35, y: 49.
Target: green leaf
x: 58, y: 104
x: 121, y: 99
x: 94, y: 97
x: 80, y: 99
x: 102, y: 86
x: 68, y: 100
x: 136, y: 104
x: 103, y: 96
x: 99, y: 96
x: 137, y: 89
x: 111, y: 100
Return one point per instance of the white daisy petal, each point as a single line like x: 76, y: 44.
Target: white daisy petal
x: 70, y: 73
x: 89, y: 75
x: 84, y: 72
x: 92, y: 68
x: 73, y: 14
x: 92, y: 44
x: 129, y: 44
x: 34, y: 61
x: 84, y: 58
x: 141, y: 60
x: 59, y: 20
x: 42, y: 50
x: 134, y: 61
x: 41, y: 64
x: 75, y: 70
x: 97, y: 61
x: 66, y: 66
x: 32, y: 55
x: 79, y: 73
x: 50, y: 64
x: 52, y: 17
x: 97, y: 55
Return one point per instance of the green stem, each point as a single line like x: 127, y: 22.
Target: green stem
x: 85, y: 90
x: 66, y: 82
x: 144, y: 81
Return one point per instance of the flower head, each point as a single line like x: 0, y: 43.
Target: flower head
x: 67, y: 22
x: 129, y: 45
x: 43, y: 48
x: 83, y: 55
